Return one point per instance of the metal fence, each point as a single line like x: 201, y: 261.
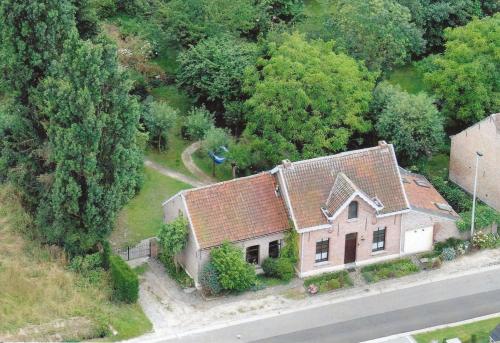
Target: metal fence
x: 143, y: 249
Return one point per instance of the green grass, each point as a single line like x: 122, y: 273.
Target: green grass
x: 388, y: 270
x: 223, y: 171
x: 142, y: 216
x: 167, y: 58
x: 139, y: 270
x: 175, y: 97
x: 329, y: 281
x: 408, y: 78
x: 481, y: 329
x: 38, y: 289
x: 437, y: 165
x: 267, y: 281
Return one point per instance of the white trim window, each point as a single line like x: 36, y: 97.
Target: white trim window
x: 322, y: 247
x: 379, y: 239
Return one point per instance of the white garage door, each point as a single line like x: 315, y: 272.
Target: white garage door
x: 418, y: 240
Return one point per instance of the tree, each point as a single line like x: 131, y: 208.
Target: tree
x: 305, y: 100
x: 411, y: 122
x: 215, y: 140
x: 213, y: 70
x: 86, y: 19
x: 380, y: 32
x: 91, y: 126
x: 234, y: 272
x: 159, y: 118
x: 32, y: 34
x: 173, y: 237
x: 465, y: 77
x: 284, y: 10
x: 198, y: 122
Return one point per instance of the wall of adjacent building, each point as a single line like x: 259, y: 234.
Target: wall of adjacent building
x: 483, y: 137
x: 443, y: 228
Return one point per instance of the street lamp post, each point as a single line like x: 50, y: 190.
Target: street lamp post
x: 478, y: 155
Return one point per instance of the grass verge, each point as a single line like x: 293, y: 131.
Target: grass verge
x: 41, y: 299
x: 142, y: 216
x: 267, y: 281
x: 477, y: 332
x: 223, y: 171
x: 330, y: 281
x: 388, y: 270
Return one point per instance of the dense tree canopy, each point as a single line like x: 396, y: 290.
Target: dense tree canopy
x: 411, y: 122
x: 465, y: 78
x: 92, y: 125
x: 380, y: 32
x: 158, y: 119
x: 306, y: 100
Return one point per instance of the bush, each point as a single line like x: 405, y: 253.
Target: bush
x: 387, y: 270
x: 175, y: 271
x: 448, y: 254
x: 125, y: 282
x: 106, y: 253
x: 269, y: 266
x: 329, y: 281
x: 198, y: 122
x: 89, y: 266
x: 291, y: 248
x: 234, y: 272
x: 284, y: 269
x: 451, y: 242
x: 209, y: 279
x: 483, y: 240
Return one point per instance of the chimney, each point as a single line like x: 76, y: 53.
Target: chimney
x: 286, y: 164
x: 382, y: 144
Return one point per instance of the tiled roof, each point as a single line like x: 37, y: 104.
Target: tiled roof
x: 423, y: 196
x: 373, y: 170
x: 236, y: 210
x: 341, y: 191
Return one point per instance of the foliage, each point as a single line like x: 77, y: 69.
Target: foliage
x: 215, y: 138
x: 290, y: 250
x: 124, y: 281
x: 234, y: 272
x: 209, y: 279
x: 466, y: 75
x: 173, y: 236
x: 198, y: 122
x: 175, y: 271
x: 432, y: 17
x: 92, y: 127
x: 281, y: 268
x: 329, y: 281
x: 269, y: 266
x: 482, y: 240
x: 451, y: 242
x: 89, y: 266
x: 305, y: 100
x: 213, y: 70
x: 158, y: 119
x: 455, y: 196
x: 448, y: 254
x: 380, y: 32
x: 86, y: 19
x: 189, y: 21
x: 32, y: 34
x: 411, y: 122
x: 284, y: 10
x: 104, y: 8
x: 484, y: 217
x: 387, y: 270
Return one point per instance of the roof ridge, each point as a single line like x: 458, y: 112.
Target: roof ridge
x: 243, y: 178
x: 491, y: 117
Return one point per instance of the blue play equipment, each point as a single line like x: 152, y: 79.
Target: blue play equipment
x: 216, y: 158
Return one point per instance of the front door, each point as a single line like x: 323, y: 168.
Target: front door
x: 351, y: 240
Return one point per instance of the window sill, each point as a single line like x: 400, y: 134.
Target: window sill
x: 319, y: 264
x: 380, y: 252
x: 352, y: 220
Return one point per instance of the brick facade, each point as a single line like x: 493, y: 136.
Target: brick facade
x: 484, y: 137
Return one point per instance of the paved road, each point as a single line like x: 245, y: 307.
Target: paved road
x: 373, y: 316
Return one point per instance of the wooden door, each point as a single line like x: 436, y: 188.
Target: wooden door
x: 351, y: 241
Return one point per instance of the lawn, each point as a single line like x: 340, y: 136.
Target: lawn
x: 223, y: 171
x: 37, y: 289
x: 437, y: 165
x: 408, y: 78
x: 329, y: 281
x: 387, y: 270
x: 480, y: 329
x: 267, y: 281
x: 142, y: 216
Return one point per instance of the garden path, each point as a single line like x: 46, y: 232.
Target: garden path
x: 173, y: 174
x: 187, y: 159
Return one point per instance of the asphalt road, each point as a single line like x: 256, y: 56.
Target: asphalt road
x: 371, y: 317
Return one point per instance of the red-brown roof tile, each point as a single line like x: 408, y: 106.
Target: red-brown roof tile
x: 236, y: 210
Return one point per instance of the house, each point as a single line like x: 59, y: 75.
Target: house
x: 483, y: 137
x: 353, y: 208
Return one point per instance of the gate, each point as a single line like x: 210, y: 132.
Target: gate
x: 143, y: 249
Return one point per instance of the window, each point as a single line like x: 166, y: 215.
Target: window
x: 378, y: 239
x: 253, y: 254
x: 274, y: 249
x: 353, y: 210
x: 322, y: 250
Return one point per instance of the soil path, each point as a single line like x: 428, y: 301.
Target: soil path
x: 187, y: 159
x: 173, y: 174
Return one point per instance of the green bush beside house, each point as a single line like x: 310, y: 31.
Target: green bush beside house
x: 124, y: 281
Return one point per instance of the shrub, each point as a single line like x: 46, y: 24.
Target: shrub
x: 106, y: 253
x: 198, y: 122
x: 329, y: 281
x: 291, y: 248
x: 173, y: 237
x: 483, y: 240
x: 269, y: 266
x: 234, y: 272
x: 284, y: 269
x: 391, y: 269
x: 125, y: 282
x: 89, y: 266
x: 448, y: 254
x: 209, y: 279
x: 175, y: 271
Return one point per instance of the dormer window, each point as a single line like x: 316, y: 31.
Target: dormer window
x: 353, y: 210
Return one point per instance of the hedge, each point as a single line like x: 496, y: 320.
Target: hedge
x: 124, y: 281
